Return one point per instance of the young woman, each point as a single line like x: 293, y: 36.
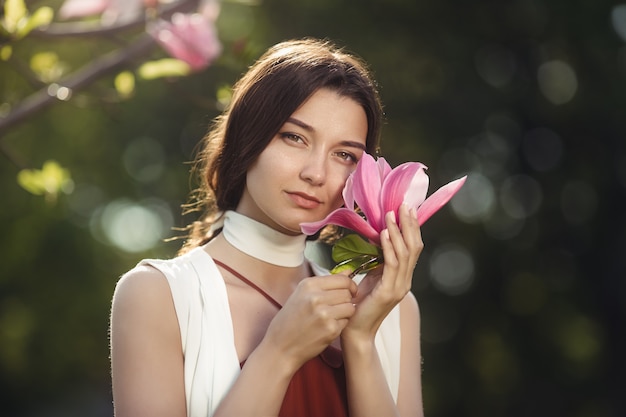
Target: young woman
x: 243, y: 322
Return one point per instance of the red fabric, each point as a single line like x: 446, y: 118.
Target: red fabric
x: 318, y: 388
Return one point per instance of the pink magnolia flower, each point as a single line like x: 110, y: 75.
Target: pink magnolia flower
x: 189, y: 37
x: 376, y: 189
x: 111, y: 10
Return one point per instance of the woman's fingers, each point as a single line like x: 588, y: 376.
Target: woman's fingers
x: 329, y: 298
x: 313, y: 316
x: 411, y: 230
x: 339, y: 281
x: 402, y: 245
x: 342, y: 312
x: 392, y: 242
x: 405, y: 239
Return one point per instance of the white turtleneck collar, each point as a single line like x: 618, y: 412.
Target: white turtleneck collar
x: 262, y: 242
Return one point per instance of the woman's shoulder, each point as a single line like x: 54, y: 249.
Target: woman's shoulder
x: 148, y: 280
x: 182, y: 278
x: 141, y: 284
x: 194, y: 255
x: 192, y: 263
x: 142, y: 307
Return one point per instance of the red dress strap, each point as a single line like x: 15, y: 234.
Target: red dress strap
x: 318, y: 388
x: 250, y: 283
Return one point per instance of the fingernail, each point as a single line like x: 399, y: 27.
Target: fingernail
x: 392, y: 216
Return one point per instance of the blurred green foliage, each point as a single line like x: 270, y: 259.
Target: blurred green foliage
x: 523, y: 299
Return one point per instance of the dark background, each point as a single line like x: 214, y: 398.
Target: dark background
x: 522, y: 284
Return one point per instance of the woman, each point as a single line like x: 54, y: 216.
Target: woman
x: 241, y: 323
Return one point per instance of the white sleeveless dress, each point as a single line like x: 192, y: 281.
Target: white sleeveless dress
x: 211, y: 364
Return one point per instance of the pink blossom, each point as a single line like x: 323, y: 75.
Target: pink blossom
x: 81, y: 8
x: 111, y: 10
x: 210, y: 9
x: 376, y: 189
x: 189, y: 37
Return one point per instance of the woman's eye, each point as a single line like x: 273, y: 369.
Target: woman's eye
x: 292, y: 137
x: 347, y: 156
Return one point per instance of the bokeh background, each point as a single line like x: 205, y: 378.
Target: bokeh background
x: 522, y: 285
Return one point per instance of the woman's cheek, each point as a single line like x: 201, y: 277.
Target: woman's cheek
x: 338, y: 196
x: 340, y: 176
x: 338, y: 203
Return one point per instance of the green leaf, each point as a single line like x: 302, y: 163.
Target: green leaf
x: 47, y: 66
x: 15, y: 13
x: 352, y: 246
x: 224, y: 95
x: 30, y: 180
x: 5, y: 52
x: 358, y: 264
x: 345, y: 267
x: 125, y: 83
x: 167, y: 67
x: 353, y: 252
x: 49, y: 180
x: 42, y: 17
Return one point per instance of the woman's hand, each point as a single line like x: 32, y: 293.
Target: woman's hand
x: 313, y: 316
x: 384, y: 287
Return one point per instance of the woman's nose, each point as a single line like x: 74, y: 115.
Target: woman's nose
x: 314, y: 170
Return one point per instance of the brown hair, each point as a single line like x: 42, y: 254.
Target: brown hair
x: 263, y: 99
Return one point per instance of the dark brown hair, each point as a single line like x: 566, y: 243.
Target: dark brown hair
x: 274, y: 87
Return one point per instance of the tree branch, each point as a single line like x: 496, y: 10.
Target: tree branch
x: 78, y: 80
x: 82, y: 29
x: 96, y: 69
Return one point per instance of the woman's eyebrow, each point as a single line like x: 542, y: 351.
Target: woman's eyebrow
x: 353, y: 144
x: 300, y: 123
x: 307, y: 127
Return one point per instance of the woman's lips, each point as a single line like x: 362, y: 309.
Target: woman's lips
x: 304, y: 200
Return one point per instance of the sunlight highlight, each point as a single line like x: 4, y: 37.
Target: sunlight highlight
x: 452, y: 269
x: 132, y: 227
x: 557, y: 81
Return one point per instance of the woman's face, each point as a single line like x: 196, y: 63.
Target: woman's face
x: 301, y: 173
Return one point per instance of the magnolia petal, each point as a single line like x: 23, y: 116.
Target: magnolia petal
x: 416, y: 193
x: 383, y: 167
x: 348, y: 194
x: 210, y: 9
x: 366, y: 187
x: 81, y: 8
x: 188, y: 37
x: 345, y: 218
x: 122, y: 11
x: 407, y: 183
x: 438, y: 199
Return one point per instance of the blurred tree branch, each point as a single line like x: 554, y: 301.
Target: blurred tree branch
x: 91, y: 72
x: 76, y: 81
x: 94, y: 28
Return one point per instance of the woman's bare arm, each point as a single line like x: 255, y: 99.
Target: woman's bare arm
x: 380, y: 291
x: 368, y: 391
x: 410, y: 402
x: 146, y: 351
